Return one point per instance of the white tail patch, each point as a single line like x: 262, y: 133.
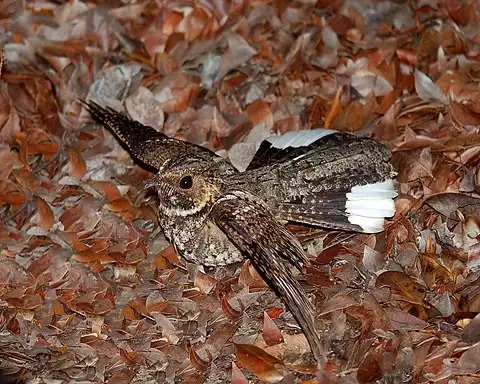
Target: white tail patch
x: 298, y: 139
x: 369, y: 205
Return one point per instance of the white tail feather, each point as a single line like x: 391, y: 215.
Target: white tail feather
x: 369, y: 205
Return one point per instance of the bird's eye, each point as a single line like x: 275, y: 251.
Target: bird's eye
x: 186, y: 182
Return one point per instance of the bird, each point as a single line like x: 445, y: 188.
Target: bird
x: 216, y: 215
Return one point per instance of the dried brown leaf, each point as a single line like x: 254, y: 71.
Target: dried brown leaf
x: 469, y: 362
x: 449, y: 203
x: 7, y: 159
x: 402, y: 287
x: 428, y: 90
x: 271, y: 333
x: 370, y: 370
x: 340, y: 301
x: 237, y: 376
x: 204, y: 282
x: 264, y: 366
x: 259, y: 112
x: 46, y: 218
x: 11, y: 193
x: 403, y: 321
x: 412, y: 165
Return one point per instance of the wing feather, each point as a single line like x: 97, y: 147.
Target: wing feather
x: 149, y: 147
x: 271, y: 248
x: 337, y: 181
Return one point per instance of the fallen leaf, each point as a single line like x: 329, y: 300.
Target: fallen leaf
x: 46, y: 218
x: 469, y: 362
x: 237, y: 54
x: 428, y: 90
x: 335, y: 108
x: 143, y: 107
x: 403, y: 321
x: 7, y: 159
x: 340, y: 301
x: 259, y: 112
x: 78, y: 164
x: 402, y: 287
x: 204, y: 282
x: 448, y: 203
x: 271, y: 333
x: 264, y: 366
x: 413, y: 165
x: 471, y: 332
x: 370, y: 370
x: 237, y: 376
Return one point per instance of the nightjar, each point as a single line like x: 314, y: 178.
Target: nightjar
x: 216, y: 215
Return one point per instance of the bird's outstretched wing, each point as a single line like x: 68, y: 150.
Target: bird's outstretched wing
x: 325, y: 178
x: 272, y: 249
x: 149, y: 147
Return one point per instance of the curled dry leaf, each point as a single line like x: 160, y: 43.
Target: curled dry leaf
x: 230, y: 311
x: 204, y: 282
x: 46, y: 218
x: 202, y: 364
x: 335, y: 108
x: 271, y: 333
x: 266, y: 367
x: 428, y: 90
x: 77, y: 163
x: 249, y: 277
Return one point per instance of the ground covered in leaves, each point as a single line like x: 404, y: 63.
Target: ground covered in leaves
x: 90, y: 290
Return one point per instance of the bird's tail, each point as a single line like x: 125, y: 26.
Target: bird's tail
x: 325, y: 178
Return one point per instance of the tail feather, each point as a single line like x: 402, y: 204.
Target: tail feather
x: 363, y: 209
x: 336, y: 180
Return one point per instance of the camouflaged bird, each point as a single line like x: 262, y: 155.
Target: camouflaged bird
x: 216, y: 215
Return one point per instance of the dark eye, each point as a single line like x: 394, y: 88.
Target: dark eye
x: 186, y: 182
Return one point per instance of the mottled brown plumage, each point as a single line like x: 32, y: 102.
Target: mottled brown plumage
x: 216, y: 215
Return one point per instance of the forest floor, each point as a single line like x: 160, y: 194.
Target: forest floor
x: 90, y: 291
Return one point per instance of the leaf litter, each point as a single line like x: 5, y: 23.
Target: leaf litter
x: 90, y: 290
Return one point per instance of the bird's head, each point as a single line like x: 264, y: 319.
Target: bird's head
x: 187, y: 187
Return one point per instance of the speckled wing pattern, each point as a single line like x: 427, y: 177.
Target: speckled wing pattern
x: 149, y: 147
x: 337, y: 181
x: 271, y: 248
x: 321, y: 178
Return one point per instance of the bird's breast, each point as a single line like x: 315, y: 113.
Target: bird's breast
x: 199, y: 240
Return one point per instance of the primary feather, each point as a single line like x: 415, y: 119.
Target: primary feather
x: 271, y: 248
